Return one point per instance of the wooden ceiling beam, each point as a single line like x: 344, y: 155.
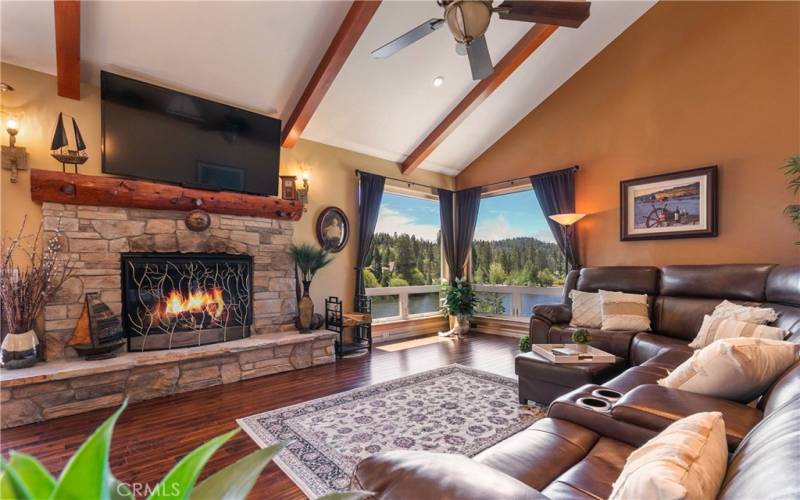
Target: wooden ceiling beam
x: 354, y: 24
x: 68, y: 47
x: 526, y: 46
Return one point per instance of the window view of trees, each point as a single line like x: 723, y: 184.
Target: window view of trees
x: 402, y: 260
x: 513, y: 246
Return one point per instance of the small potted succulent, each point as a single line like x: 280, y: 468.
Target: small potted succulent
x: 581, y: 338
x: 525, y: 344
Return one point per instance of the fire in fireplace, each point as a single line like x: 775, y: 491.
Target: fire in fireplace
x: 181, y: 300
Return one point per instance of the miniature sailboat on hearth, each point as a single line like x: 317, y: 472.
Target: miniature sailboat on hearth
x: 75, y: 156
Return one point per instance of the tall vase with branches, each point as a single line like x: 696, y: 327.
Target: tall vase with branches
x: 25, y: 290
x: 309, y: 259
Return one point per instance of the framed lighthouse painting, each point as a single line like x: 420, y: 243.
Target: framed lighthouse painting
x: 675, y: 205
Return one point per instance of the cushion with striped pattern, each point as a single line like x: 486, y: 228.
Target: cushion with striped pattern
x: 716, y: 328
x: 586, y: 309
x: 760, y: 315
x: 625, y: 311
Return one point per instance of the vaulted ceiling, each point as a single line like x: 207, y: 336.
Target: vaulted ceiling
x: 261, y: 55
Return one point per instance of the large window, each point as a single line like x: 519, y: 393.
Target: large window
x: 515, y: 261
x: 404, y: 270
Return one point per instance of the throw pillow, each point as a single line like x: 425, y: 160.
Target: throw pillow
x: 715, y: 328
x: 624, y: 311
x: 687, y: 460
x: 586, y: 309
x: 759, y: 315
x: 740, y: 369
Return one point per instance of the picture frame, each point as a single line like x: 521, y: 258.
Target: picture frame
x: 289, y: 187
x: 333, y: 229
x: 666, y: 206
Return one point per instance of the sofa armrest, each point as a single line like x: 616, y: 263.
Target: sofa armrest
x: 424, y: 475
x: 567, y: 408
x: 655, y: 407
x: 553, y: 313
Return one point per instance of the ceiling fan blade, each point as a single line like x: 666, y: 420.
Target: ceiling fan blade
x: 407, y: 39
x: 480, y: 62
x: 569, y: 14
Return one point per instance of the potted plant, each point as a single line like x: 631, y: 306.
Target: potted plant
x: 309, y: 259
x: 581, y: 337
x: 459, y: 301
x: 25, y: 290
x: 792, y: 170
x: 525, y: 344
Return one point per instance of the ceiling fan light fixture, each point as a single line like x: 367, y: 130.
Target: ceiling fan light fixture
x: 468, y: 19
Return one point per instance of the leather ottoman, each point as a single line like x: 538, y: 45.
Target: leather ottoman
x: 543, y: 381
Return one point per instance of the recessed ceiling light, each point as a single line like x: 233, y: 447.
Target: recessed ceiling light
x: 438, y: 81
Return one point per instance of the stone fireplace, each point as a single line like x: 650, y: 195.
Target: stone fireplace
x: 172, y: 300
x: 112, y: 248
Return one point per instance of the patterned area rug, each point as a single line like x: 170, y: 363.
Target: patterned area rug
x: 454, y: 409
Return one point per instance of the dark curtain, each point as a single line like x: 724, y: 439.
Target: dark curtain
x: 370, y: 193
x: 556, y: 194
x: 448, y: 235
x: 467, y: 203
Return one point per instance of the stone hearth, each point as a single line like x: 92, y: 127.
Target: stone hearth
x: 67, y: 387
x: 94, y: 237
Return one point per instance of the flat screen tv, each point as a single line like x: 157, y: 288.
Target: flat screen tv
x: 150, y: 132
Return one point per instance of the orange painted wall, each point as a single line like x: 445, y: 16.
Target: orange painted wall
x: 688, y: 85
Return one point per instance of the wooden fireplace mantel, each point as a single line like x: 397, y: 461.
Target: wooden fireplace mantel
x: 100, y: 190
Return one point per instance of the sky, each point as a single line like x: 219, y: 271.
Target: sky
x: 500, y: 217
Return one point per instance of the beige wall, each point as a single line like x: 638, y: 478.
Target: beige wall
x: 333, y: 179
x: 688, y: 85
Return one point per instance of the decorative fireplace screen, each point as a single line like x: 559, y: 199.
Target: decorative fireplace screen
x: 180, y: 300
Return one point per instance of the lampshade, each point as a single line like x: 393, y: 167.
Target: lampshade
x: 567, y: 219
x: 468, y: 19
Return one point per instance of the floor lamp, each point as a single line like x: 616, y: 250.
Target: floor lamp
x: 566, y: 221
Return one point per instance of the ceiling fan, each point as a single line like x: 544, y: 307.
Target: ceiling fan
x: 468, y: 21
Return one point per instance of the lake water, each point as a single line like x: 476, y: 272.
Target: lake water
x: 418, y: 303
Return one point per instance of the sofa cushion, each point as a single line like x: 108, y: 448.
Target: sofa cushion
x: 788, y: 319
x: 716, y: 328
x: 625, y: 311
x: 620, y: 279
x: 615, y: 342
x: 783, y: 285
x: 723, y: 281
x: 528, y: 455
x: 635, y: 376
x: 685, y: 461
x: 594, y: 475
x: 740, y: 369
x: 750, y: 314
x: 765, y: 464
x: 648, y: 345
x: 681, y: 317
x: 786, y: 388
x: 586, y: 309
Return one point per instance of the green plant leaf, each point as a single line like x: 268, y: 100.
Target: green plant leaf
x: 236, y: 480
x: 347, y: 495
x: 178, y: 483
x: 38, y: 481
x: 11, y: 485
x: 87, y: 472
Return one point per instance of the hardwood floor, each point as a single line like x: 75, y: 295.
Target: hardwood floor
x: 151, y: 436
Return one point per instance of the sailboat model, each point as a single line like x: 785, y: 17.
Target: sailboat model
x: 66, y: 156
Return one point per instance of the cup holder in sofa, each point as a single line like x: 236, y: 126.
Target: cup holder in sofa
x: 607, y: 394
x: 595, y: 404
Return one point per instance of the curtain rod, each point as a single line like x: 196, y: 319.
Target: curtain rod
x: 507, y: 181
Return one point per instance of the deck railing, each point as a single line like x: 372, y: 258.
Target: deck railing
x: 508, y: 302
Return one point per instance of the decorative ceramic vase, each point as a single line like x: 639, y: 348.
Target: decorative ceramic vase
x: 582, y: 347
x: 305, y: 309
x: 20, y: 350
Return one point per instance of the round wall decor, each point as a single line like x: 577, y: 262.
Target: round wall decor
x: 333, y: 229
x: 197, y: 220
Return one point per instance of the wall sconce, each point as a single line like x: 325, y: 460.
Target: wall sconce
x: 302, y: 193
x: 14, y: 158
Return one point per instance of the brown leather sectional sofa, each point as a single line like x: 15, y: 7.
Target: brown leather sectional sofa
x: 577, y: 452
